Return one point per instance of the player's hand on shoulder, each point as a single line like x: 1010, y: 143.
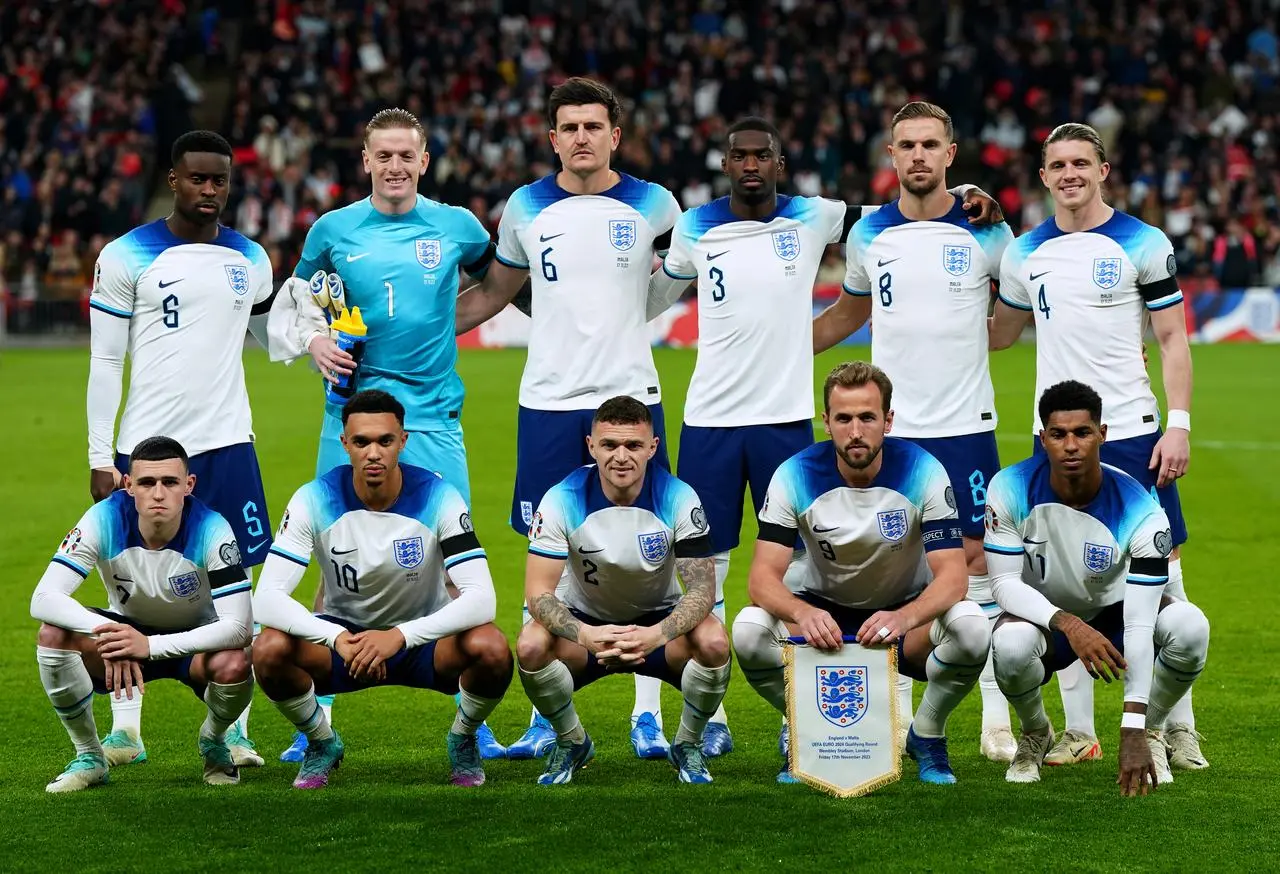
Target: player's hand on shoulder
x: 982, y: 208
x: 116, y: 640
x: 329, y: 359
x: 102, y: 482
x: 1171, y: 456
x: 1098, y: 655
x: 819, y: 629
x: 1137, y: 769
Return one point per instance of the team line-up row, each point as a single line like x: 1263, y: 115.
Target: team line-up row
x: 592, y: 233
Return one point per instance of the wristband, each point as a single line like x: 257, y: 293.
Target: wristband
x: 1179, y: 419
x: 1133, y: 720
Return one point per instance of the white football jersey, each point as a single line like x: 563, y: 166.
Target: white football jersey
x: 620, y: 561
x: 379, y: 569
x: 589, y: 258
x: 1079, y: 559
x: 169, y: 589
x: 188, y: 307
x: 866, y: 546
x: 755, y: 307
x: 1090, y: 293
x: 930, y: 289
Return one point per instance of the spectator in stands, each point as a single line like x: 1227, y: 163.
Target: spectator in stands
x: 1235, y: 256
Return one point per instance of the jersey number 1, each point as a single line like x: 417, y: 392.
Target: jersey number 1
x: 391, y: 299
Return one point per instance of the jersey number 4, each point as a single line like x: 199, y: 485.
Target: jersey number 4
x: 1042, y: 303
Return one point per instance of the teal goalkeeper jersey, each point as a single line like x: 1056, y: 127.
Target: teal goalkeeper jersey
x: 402, y: 272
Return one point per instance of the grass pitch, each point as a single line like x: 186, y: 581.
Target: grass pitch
x: 388, y: 807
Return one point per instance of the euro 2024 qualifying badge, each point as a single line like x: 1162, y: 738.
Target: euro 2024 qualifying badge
x: 842, y: 708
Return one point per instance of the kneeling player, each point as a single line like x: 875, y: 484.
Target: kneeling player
x: 619, y: 532
x: 385, y: 534
x: 879, y: 520
x: 1091, y: 587
x: 179, y: 609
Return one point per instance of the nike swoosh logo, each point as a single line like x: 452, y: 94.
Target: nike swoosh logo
x: 817, y: 530
x: 582, y: 551
x: 351, y: 258
x: 545, y: 238
x: 711, y: 257
x: 121, y: 579
x: 337, y: 551
x: 252, y: 549
x: 978, y: 518
x: 173, y: 282
x: 1035, y: 276
x: 880, y: 263
x: 1029, y: 542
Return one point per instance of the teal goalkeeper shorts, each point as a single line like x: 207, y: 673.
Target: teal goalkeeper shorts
x: 441, y: 451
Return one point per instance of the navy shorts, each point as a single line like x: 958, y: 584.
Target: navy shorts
x: 1109, y: 623
x: 229, y: 481
x: 655, y: 665
x: 550, y: 445
x: 157, y: 669
x: 415, y: 668
x: 850, y: 619
x: 1132, y: 455
x: 720, y: 463
x: 971, y: 460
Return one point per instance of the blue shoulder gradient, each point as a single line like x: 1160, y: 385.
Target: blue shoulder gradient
x: 1010, y: 488
x: 695, y: 223
x: 1122, y: 504
x: 672, y: 497
x: 572, y: 497
x: 120, y: 531
x: 810, y: 474
x: 421, y: 496
x: 867, y: 228
x: 910, y: 471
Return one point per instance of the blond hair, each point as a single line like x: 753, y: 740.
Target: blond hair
x: 1073, y: 130
x: 393, y: 119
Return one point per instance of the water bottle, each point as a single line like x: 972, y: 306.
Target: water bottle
x: 348, y: 331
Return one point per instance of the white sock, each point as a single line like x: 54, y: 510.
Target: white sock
x: 995, y: 710
x: 551, y: 691
x: 70, y: 689
x: 307, y: 715
x: 533, y: 711
x: 242, y: 721
x: 473, y: 710
x: 703, y: 689
x: 126, y: 714
x: 648, y: 698
x: 906, y: 685
x: 962, y: 640
x: 1182, y: 712
x: 326, y: 705
x: 225, y: 701
x: 1016, y: 649
x: 1076, y: 687
x: 722, y: 574
x: 1182, y: 634
x: 756, y: 641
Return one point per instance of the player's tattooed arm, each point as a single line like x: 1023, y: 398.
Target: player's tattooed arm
x: 699, y: 577
x: 554, y: 616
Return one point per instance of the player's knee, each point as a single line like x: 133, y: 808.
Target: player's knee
x: 487, y: 647
x: 534, y: 647
x: 755, y: 636
x: 1187, y: 631
x: 969, y: 631
x: 272, y: 649
x: 53, y: 637
x: 1013, y: 645
x: 228, y: 667
x: 710, y: 644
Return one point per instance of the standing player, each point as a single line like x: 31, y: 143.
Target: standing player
x: 398, y: 255
x: 878, y: 518
x: 584, y: 240
x: 620, y: 531
x: 176, y: 296
x: 385, y: 535
x: 179, y: 609
x: 927, y: 273
x: 1094, y: 278
x: 755, y: 257
x: 1091, y: 586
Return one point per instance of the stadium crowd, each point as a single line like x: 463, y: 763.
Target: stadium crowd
x: 1183, y: 93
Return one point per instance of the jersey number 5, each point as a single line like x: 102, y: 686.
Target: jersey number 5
x: 170, y: 307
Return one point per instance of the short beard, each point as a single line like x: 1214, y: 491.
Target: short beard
x: 200, y: 219
x: 860, y: 465
x: 922, y: 189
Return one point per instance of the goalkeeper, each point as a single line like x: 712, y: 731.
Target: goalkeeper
x: 397, y: 256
